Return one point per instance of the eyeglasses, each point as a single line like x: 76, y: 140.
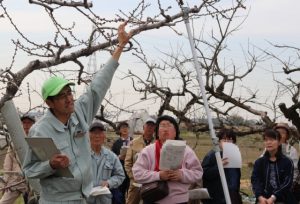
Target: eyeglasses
x: 64, y: 95
x: 227, y: 139
x: 165, y: 126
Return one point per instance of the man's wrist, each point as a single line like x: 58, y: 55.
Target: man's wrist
x: 121, y: 45
x: 51, y: 165
x: 273, y: 197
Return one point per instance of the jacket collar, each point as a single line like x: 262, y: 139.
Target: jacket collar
x: 57, y: 124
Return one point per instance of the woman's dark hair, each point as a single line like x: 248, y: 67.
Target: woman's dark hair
x: 271, y: 133
x: 227, y: 133
x: 171, y: 120
x: 121, y: 124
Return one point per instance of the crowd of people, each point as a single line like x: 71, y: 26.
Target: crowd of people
x: 134, y: 162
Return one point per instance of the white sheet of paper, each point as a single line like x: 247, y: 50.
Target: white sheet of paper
x: 171, y: 154
x: 100, y: 190
x: 198, y: 193
x: 232, y: 152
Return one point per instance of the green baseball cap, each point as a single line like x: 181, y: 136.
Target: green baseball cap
x: 54, y: 85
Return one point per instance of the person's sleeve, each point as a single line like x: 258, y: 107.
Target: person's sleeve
x: 287, y: 181
x: 118, y: 174
x: 191, y: 169
x: 257, y: 183
x: 129, y: 162
x: 294, y: 156
x: 34, y: 168
x: 210, y: 167
x: 141, y: 169
x: 8, y: 163
x: 89, y: 102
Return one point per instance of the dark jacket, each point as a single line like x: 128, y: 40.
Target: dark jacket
x: 119, y: 194
x: 284, y: 176
x: 212, y: 181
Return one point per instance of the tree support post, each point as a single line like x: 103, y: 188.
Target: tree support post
x: 214, y: 139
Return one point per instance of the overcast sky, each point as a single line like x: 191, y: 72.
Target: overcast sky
x: 269, y: 20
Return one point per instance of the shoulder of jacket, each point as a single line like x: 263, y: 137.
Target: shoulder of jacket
x: 260, y: 160
x: 137, y: 139
x: 149, y: 147
x: 119, y: 140
x: 108, y: 153
x: 286, y: 159
x: 210, y: 154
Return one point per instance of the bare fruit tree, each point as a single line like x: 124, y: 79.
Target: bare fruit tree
x: 287, y: 58
x: 66, y: 45
x: 173, y: 77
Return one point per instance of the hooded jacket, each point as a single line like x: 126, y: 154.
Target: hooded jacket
x: 284, y: 177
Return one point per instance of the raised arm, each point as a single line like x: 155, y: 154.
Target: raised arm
x: 123, y: 38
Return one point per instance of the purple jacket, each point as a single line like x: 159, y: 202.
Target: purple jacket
x: 143, y: 172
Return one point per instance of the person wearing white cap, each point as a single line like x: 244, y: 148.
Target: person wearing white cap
x: 136, y: 146
x: 67, y: 123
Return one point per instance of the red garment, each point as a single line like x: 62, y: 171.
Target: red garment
x: 158, y: 146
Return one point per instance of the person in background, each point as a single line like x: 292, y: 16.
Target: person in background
x: 211, y: 176
x: 12, y: 169
x: 288, y: 150
x: 146, y: 168
x: 136, y: 146
x: 106, y: 166
x: 272, y: 174
x: 119, y: 147
x: 297, y: 182
x: 67, y: 123
x: 298, y: 165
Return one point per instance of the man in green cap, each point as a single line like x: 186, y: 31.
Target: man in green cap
x: 67, y: 123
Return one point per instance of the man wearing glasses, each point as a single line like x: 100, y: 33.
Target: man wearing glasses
x: 67, y: 123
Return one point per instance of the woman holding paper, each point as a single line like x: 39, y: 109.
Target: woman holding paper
x: 147, y: 167
x: 211, y: 176
x: 272, y: 175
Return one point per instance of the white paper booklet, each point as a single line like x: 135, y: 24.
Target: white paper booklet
x: 100, y: 190
x: 171, y: 154
x: 232, y: 152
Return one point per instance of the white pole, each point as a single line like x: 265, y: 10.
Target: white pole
x: 17, y: 135
x: 207, y: 110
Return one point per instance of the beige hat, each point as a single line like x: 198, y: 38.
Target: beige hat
x: 283, y: 126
